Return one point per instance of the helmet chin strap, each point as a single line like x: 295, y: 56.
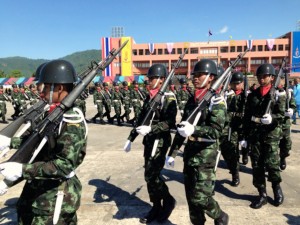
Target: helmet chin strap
x: 205, y: 80
x: 51, y: 93
x: 155, y: 85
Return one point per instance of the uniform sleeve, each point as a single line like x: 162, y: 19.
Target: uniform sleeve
x: 69, y: 153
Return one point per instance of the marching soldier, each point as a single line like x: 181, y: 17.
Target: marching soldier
x: 126, y: 101
x: 116, y: 99
x: 172, y: 87
x: 99, y: 101
x: 158, y: 132
x: 201, y: 151
x: 107, y: 102
x: 136, y: 98
x: 263, y: 130
x: 16, y: 101
x: 3, y: 99
x: 146, y: 89
x: 32, y: 94
x: 23, y: 97
x: 182, y: 95
x: 52, y: 192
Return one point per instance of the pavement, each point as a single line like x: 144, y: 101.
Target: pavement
x: 114, y: 190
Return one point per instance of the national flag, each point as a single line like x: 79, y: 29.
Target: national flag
x: 209, y: 33
x: 170, y: 47
x: 270, y: 43
x: 106, y: 48
x: 250, y: 44
x: 151, y: 47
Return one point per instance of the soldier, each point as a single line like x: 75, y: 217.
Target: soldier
x: 182, y: 95
x: 53, y: 170
x: 99, y: 101
x: 32, y: 94
x: 3, y: 99
x: 126, y: 101
x: 23, y: 97
x: 201, y: 150
x: 263, y: 130
x: 158, y: 132
x: 107, y: 103
x: 172, y: 87
x: 39, y: 85
x: 230, y: 141
x: 116, y: 99
x: 146, y: 89
x: 136, y: 98
x: 16, y: 102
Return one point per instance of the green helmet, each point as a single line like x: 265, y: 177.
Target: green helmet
x: 237, y: 78
x: 125, y: 83
x: 205, y: 66
x: 97, y: 84
x: 58, y: 72
x: 134, y: 82
x: 14, y: 86
x: 267, y: 69
x: 157, y: 70
x: 182, y: 81
x: 146, y: 82
x: 38, y: 72
x: 105, y: 84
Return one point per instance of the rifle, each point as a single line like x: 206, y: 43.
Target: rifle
x: 194, y: 117
x: 47, y: 127
x: 286, y: 88
x: 7, y: 97
x: 275, y: 86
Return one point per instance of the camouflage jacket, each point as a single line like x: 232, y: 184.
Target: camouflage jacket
x: 209, y: 126
x: 182, y: 97
x: 51, y: 168
x: 98, y: 96
x: 164, y: 120
x: 126, y: 96
x: 292, y: 104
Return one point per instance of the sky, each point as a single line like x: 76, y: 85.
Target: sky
x: 52, y: 29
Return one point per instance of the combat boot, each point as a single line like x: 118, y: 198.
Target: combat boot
x: 119, y: 121
x: 152, y: 214
x: 223, y: 219
x: 262, y: 199
x: 245, y: 157
x: 102, y: 121
x: 278, y: 195
x: 168, y: 205
x: 282, y: 163
x: 235, y: 179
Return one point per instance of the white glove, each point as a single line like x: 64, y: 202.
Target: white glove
x: 243, y: 144
x: 21, y: 107
x: 266, y: 119
x: 14, y: 105
x: 185, y: 129
x: 3, y: 188
x: 170, y: 161
x: 215, y: 100
x: 95, y: 106
x: 127, y: 146
x: 181, y: 112
x: 12, y: 171
x: 289, y: 113
x: 143, y: 130
x: 5, y: 142
x: 279, y: 94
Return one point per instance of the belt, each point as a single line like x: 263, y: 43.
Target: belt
x: 70, y: 175
x: 15, y: 99
x: 238, y: 114
x: 255, y: 119
x: 116, y: 100
x: 183, y: 102
x: 134, y: 100
x: 200, y: 139
x: 22, y: 100
x: 98, y: 100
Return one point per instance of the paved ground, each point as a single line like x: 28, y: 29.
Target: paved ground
x: 114, y: 191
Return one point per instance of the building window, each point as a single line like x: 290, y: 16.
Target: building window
x: 274, y: 48
x: 266, y: 48
x: 166, y: 64
x: 280, y: 47
x: 194, y: 51
x: 147, y: 52
x: 179, y: 50
x: 183, y: 64
x: 254, y: 48
x: 259, y: 48
x: 224, y: 49
x: 117, y: 64
x: 134, y: 52
x: 141, y: 52
x: 258, y: 61
x: 193, y: 63
x: 232, y: 49
x: 210, y: 51
x: 160, y: 51
x: 239, y: 48
x: 287, y: 47
x: 245, y: 48
x: 141, y: 64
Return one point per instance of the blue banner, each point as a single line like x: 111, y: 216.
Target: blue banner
x: 296, y: 52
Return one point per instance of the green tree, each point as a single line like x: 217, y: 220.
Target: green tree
x: 15, y: 73
x: 2, y: 74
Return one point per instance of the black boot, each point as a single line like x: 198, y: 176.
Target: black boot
x: 278, y: 195
x: 152, y: 214
x: 168, y: 205
x: 223, y: 219
x: 102, y: 121
x: 119, y: 121
x: 245, y: 156
x: 282, y: 163
x: 262, y: 199
x: 235, y: 179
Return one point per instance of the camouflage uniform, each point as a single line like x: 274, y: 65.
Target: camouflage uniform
x: 3, y: 110
x: 53, y: 170
x: 99, y: 100
x: 107, y: 103
x: 81, y: 104
x: 160, y: 129
x: 16, y: 102
x: 136, y: 98
x: 182, y: 97
x: 127, y: 104
x: 116, y: 99
x: 200, y: 161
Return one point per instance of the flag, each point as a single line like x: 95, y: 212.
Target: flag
x: 151, y: 47
x: 106, y: 48
x: 270, y: 43
x: 209, y: 33
x: 250, y: 44
x: 170, y: 47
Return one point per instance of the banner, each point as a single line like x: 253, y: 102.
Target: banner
x: 151, y: 47
x: 170, y: 47
x: 270, y: 43
x: 126, y: 63
x: 106, y: 48
x: 295, y: 52
x: 250, y: 44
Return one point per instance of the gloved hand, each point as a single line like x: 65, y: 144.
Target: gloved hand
x: 12, y: 171
x: 14, y: 105
x: 95, y: 106
x: 289, y: 113
x: 266, y: 119
x: 143, y: 130
x: 170, y: 161
x: 3, y: 188
x: 4, y: 142
x: 215, y: 100
x: 181, y: 112
x: 279, y: 94
x: 185, y: 129
x: 243, y: 143
x: 127, y: 146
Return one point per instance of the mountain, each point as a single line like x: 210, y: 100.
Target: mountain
x: 27, y: 67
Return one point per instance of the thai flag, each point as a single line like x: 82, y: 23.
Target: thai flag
x: 151, y: 47
x: 250, y: 44
x: 106, y: 48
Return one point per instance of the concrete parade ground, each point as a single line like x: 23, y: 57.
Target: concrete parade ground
x: 114, y: 190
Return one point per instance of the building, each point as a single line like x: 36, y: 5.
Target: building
x: 135, y: 59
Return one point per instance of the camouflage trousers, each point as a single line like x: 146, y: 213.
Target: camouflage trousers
x: 285, y: 144
x: 31, y: 219
x: 157, y: 188
x: 199, y: 183
x: 230, y: 151
x: 265, y: 158
x: 100, y: 110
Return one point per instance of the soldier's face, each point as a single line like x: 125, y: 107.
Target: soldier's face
x: 155, y: 82
x: 265, y: 79
x: 237, y: 87
x: 202, y: 80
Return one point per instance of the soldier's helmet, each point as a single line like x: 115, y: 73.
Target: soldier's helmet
x: 38, y: 71
x: 97, y: 84
x: 125, y: 83
x: 58, y: 72
x: 1, y: 86
x: 134, y: 82
x: 14, y: 86
x: 267, y: 69
x: 237, y: 78
x: 146, y: 82
x: 205, y: 66
x: 115, y: 84
x: 220, y: 71
x: 31, y: 86
x: 105, y: 84
x: 157, y: 70
x: 182, y: 81
x: 21, y: 85
x: 171, y: 82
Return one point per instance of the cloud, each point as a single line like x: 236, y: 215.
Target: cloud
x: 223, y: 30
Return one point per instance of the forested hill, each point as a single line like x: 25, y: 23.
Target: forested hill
x: 25, y: 67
